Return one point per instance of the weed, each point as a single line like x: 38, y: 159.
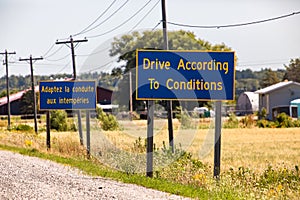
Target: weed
x: 184, y: 118
x: 248, y: 121
x: 108, y: 122
x: 58, y: 120
x: 232, y: 122
x: 22, y: 127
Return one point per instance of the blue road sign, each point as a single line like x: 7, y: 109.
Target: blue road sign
x: 185, y: 75
x: 67, y: 95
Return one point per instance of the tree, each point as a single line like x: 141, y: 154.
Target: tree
x: 269, y: 78
x: 293, y: 70
x: 126, y: 45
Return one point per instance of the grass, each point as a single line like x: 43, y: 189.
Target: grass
x: 256, y: 163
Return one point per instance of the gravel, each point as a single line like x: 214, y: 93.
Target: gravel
x: 24, y: 177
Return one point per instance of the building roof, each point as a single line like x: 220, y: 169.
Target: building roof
x: 276, y: 87
x: 15, y: 96
x: 253, y: 97
x: 296, y: 101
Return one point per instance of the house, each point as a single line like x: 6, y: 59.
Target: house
x: 15, y: 100
x: 104, y: 96
x: 247, y: 103
x: 277, y: 98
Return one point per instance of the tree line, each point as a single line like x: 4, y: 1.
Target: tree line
x: 246, y: 80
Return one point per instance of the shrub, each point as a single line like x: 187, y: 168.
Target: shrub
x: 263, y: 113
x: 263, y: 123
x: 58, y: 120
x: 108, y: 122
x: 232, y: 122
x: 297, y: 123
x: 248, y: 121
x: 284, y: 121
x: 184, y: 118
x: 22, y: 127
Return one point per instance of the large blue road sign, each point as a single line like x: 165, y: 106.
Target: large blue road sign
x: 67, y: 95
x: 185, y: 75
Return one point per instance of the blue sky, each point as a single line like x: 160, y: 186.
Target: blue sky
x: 31, y: 27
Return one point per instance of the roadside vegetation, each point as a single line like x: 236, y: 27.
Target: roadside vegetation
x: 253, y: 166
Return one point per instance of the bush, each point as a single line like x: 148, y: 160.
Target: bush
x: 184, y: 118
x: 297, y: 123
x: 22, y: 127
x: 232, y: 122
x: 263, y: 123
x: 58, y: 120
x: 262, y: 114
x: 108, y: 122
x: 284, y: 121
x: 248, y: 121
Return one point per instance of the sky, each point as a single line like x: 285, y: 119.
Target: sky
x: 31, y: 27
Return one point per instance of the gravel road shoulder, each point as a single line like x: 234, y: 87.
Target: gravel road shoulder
x: 24, y: 177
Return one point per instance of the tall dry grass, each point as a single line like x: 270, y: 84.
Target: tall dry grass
x: 62, y: 143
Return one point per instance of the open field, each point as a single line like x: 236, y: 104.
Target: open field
x: 257, y: 163
x: 255, y: 148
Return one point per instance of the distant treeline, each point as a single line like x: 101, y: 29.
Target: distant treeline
x: 246, y: 80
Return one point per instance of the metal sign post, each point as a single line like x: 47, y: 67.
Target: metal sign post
x: 88, y: 140
x: 48, y: 124
x: 217, y: 147
x: 150, y: 122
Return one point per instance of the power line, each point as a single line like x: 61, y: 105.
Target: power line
x: 235, y: 25
x: 110, y: 16
x: 153, y: 29
x: 48, y: 50
x: 102, y: 50
x: 83, y: 31
x: 54, y: 52
x: 123, y: 23
x: 64, y: 67
x: 263, y: 61
x: 100, y: 67
x: 145, y: 16
x: 256, y: 64
x: 54, y: 60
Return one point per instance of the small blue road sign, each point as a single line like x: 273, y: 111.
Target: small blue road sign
x: 67, y: 95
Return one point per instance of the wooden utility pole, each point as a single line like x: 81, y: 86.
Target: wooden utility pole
x: 30, y: 59
x: 71, y: 42
x: 130, y: 96
x: 7, y: 86
x: 169, y: 103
